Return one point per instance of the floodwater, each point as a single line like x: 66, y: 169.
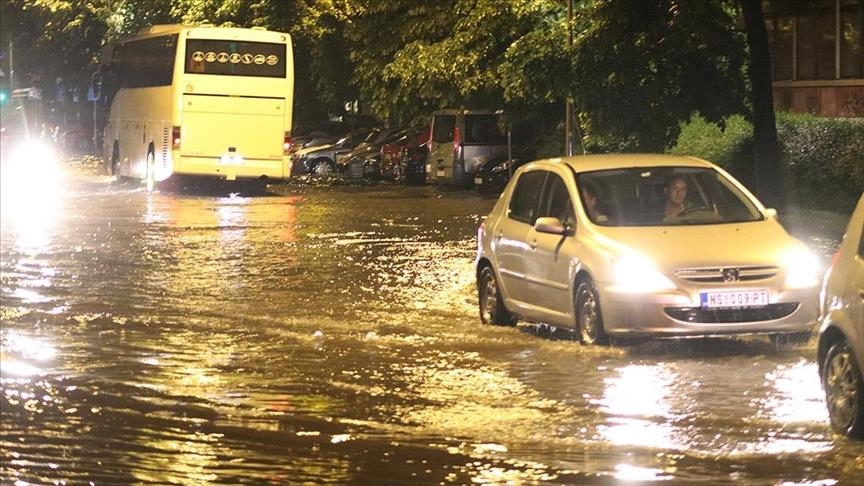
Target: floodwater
x: 329, y: 334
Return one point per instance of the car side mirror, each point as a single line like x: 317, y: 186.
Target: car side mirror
x: 551, y: 225
x: 771, y: 213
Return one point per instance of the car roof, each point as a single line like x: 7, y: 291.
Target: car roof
x: 589, y: 163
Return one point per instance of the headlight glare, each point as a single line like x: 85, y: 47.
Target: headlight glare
x: 636, y: 273
x: 803, y: 269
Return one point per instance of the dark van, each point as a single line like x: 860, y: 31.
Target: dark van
x: 461, y: 141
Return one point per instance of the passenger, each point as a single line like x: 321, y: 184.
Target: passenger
x: 589, y: 195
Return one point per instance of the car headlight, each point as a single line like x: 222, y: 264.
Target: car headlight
x: 803, y: 269
x: 637, y: 273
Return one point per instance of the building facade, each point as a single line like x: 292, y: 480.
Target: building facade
x: 817, y: 55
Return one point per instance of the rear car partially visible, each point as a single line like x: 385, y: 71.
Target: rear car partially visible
x: 841, y: 332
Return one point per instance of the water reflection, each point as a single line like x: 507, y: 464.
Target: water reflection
x: 32, y: 193
x: 216, y: 248
x: 333, y: 337
x: 637, y: 402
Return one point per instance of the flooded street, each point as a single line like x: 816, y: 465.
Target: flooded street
x: 329, y: 334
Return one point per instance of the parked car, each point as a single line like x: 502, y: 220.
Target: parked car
x: 840, y: 349
x: 312, y: 139
x: 412, y: 160
x: 321, y: 159
x: 392, y: 165
x: 584, y: 243
x: 358, y: 162
x: 492, y: 175
x: 462, y: 140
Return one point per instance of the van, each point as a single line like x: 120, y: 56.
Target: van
x: 461, y: 140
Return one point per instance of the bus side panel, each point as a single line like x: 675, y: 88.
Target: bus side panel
x: 134, y: 135
x: 232, y: 136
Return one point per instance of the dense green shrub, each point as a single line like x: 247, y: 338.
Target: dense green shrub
x: 823, y: 158
x: 730, y: 146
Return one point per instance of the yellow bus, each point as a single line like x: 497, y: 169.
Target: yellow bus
x: 198, y: 101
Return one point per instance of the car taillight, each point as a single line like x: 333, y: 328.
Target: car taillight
x: 286, y: 144
x: 456, y: 139
x: 175, y: 138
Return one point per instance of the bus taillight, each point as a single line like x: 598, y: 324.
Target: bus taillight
x: 175, y: 138
x: 286, y: 144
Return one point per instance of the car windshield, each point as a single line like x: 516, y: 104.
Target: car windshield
x: 659, y: 196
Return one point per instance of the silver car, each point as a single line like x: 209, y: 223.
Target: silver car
x: 634, y: 246
x: 841, y: 332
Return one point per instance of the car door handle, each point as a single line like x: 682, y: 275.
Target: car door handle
x: 533, y: 244
x: 498, y: 235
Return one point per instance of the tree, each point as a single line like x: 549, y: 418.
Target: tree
x: 413, y: 57
x: 641, y: 67
x: 769, y: 173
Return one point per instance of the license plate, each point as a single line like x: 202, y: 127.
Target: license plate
x: 478, y: 181
x: 734, y: 298
x: 440, y: 173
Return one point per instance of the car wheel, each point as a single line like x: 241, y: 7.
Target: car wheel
x: 844, y: 391
x: 322, y: 167
x: 589, y: 320
x: 492, y: 310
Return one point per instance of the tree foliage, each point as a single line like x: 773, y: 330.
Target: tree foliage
x: 637, y: 68
x: 641, y: 67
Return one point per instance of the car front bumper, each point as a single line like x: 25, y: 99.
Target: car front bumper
x: 679, y: 314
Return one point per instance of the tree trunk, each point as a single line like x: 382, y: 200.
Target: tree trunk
x: 769, y: 171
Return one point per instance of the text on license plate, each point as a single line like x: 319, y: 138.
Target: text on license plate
x: 734, y: 298
x: 440, y: 173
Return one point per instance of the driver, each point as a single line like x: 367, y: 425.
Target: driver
x: 676, y: 195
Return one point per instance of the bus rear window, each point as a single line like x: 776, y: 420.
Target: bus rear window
x: 235, y: 58
x: 442, y: 128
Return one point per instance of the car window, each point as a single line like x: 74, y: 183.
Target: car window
x: 526, y: 193
x: 483, y: 129
x: 442, y: 128
x: 638, y: 196
x: 556, y: 200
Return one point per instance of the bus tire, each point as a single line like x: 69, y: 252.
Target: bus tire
x: 151, y: 169
x: 115, y: 159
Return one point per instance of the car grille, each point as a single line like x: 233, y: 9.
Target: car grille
x: 726, y: 274
x: 739, y: 314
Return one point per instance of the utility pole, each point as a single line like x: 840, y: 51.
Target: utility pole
x: 568, y: 105
x: 11, y: 72
x: 571, y: 124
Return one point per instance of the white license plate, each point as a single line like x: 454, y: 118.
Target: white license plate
x: 734, y: 298
x: 440, y: 173
x: 478, y: 181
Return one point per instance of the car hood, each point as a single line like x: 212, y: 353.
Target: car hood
x: 316, y: 148
x: 670, y: 247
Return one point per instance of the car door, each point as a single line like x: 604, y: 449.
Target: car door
x: 548, y: 268
x: 511, y: 233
